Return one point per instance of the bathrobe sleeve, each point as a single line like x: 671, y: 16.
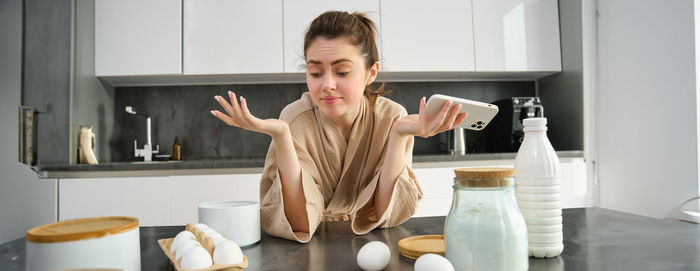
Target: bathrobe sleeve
x: 404, y: 200
x: 272, y: 216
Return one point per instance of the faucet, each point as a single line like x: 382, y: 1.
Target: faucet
x: 147, y: 151
x: 458, y: 141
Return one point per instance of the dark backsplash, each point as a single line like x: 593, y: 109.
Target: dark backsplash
x: 183, y: 111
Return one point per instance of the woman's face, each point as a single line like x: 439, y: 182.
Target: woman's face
x: 336, y: 76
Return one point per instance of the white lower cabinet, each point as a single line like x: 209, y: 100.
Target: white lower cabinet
x: 147, y: 199
x: 436, y: 183
x: 154, y: 201
x: 173, y: 200
x: 187, y: 192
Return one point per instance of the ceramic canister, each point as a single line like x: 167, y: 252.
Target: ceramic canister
x: 98, y: 242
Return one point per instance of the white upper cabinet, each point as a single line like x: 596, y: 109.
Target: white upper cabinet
x: 516, y: 35
x: 230, y: 37
x: 146, y: 42
x: 298, y: 15
x: 427, y: 35
x: 134, y: 37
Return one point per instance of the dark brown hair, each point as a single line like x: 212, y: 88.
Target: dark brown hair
x: 357, y: 28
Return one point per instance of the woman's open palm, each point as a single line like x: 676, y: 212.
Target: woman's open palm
x: 238, y: 115
x: 426, y: 126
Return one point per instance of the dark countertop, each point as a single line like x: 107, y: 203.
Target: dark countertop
x: 248, y: 165
x: 594, y: 239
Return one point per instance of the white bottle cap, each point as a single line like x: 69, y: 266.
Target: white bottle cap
x: 534, y: 122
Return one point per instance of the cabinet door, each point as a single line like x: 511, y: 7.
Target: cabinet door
x: 148, y: 199
x: 187, y: 192
x: 298, y: 16
x: 228, y: 37
x: 516, y: 35
x: 427, y: 36
x: 135, y: 37
x: 436, y: 183
x: 437, y: 191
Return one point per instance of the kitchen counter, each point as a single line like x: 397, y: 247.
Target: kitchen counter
x: 594, y: 239
x: 237, y: 166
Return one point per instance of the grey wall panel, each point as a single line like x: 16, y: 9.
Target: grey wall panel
x: 562, y: 94
x: 46, y: 82
x: 183, y: 111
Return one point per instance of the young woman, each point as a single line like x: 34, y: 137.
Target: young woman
x: 340, y: 152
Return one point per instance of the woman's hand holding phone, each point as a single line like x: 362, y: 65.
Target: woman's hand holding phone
x: 478, y: 114
x: 426, y: 125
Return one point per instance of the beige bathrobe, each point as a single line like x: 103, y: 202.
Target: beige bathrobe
x: 339, y: 178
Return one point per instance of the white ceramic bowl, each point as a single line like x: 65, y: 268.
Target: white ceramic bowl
x: 238, y: 221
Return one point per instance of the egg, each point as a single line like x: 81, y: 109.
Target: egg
x: 209, y: 232
x: 374, y: 255
x: 196, y: 258
x: 186, y: 245
x: 201, y: 226
x: 216, y: 239
x: 227, y: 252
x: 432, y: 262
x: 215, y: 235
x: 179, y: 238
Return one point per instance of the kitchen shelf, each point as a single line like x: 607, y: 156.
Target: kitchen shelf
x: 238, y: 166
x: 291, y: 78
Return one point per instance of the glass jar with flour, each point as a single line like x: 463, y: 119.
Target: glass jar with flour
x: 484, y: 229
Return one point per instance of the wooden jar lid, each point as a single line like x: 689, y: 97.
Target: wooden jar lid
x: 484, y: 177
x: 415, y: 246
x: 484, y: 173
x: 81, y: 229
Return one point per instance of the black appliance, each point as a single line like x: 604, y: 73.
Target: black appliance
x: 505, y: 132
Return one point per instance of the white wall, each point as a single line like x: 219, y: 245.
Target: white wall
x: 25, y: 201
x: 646, y: 121
x: 697, y: 75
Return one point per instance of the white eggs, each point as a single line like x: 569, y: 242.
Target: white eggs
x: 201, y: 226
x: 180, y: 238
x: 374, y: 255
x: 215, y: 235
x: 209, y: 232
x: 227, y: 252
x: 196, y: 258
x: 432, y: 262
x: 216, y: 239
x: 186, y: 245
x: 191, y: 254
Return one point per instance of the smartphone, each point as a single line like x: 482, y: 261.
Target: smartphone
x: 478, y: 114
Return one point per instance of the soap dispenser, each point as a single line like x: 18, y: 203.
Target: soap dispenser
x: 177, y: 149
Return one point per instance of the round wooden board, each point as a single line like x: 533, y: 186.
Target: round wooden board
x: 415, y: 246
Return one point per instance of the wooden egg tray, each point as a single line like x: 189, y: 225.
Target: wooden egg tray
x: 207, y: 243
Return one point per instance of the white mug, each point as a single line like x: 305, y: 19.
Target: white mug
x: 238, y: 221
